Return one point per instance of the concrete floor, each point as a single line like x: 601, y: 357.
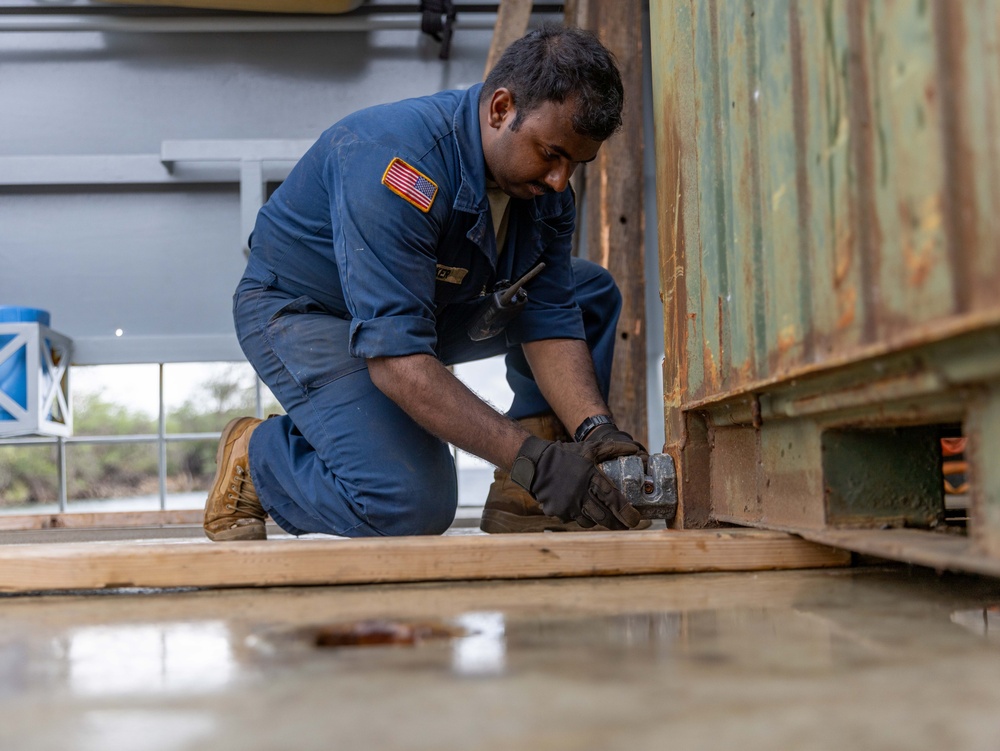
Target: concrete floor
x: 864, y: 658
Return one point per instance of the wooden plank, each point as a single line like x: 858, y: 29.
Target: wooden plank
x: 614, y: 214
x: 982, y: 426
x: 512, y: 23
x: 284, y: 562
x: 108, y: 519
x: 576, y: 12
x: 944, y: 552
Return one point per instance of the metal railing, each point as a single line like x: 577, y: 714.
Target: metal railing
x: 161, y: 438
x: 469, y: 507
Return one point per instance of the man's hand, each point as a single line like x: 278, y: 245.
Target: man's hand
x: 610, y: 432
x: 564, y: 478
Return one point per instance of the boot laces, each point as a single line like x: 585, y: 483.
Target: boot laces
x: 243, y: 496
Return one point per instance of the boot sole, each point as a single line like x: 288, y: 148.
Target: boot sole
x: 242, y: 532
x: 504, y: 522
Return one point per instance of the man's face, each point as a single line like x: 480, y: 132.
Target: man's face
x: 541, y: 155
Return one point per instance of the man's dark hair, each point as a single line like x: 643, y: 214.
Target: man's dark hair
x: 555, y: 63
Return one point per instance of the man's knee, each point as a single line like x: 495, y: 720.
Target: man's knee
x: 433, y: 517
x: 430, y: 519
x: 425, y: 504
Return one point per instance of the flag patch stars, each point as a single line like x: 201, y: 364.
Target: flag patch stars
x: 411, y: 185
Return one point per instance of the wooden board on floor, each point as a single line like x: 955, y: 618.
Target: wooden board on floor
x: 937, y: 550
x: 105, y: 519
x: 284, y: 562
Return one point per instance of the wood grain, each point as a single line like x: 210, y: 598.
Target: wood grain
x: 512, y: 23
x: 284, y: 562
x: 106, y: 519
x: 614, y: 213
x: 944, y: 552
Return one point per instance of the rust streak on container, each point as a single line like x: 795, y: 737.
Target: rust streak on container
x: 673, y: 259
x: 992, y: 93
x: 959, y: 163
x: 673, y: 277
x: 721, y: 179
x: 862, y: 146
x: 723, y: 353
x: 760, y: 322
x: 921, y: 225
x: 712, y: 383
x: 800, y: 114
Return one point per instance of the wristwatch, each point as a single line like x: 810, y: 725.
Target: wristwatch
x: 589, y: 424
x: 523, y: 470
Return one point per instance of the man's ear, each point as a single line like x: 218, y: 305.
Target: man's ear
x: 501, y: 107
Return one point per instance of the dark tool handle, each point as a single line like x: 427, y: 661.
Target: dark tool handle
x: 512, y: 290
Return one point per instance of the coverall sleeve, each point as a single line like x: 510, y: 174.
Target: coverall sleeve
x: 384, y: 246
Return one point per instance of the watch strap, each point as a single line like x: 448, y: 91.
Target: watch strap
x: 589, y: 424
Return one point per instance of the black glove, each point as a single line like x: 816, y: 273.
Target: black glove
x: 565, y: 479
x: 610, y: 432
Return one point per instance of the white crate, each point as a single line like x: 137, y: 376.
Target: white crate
x: 34, y: 369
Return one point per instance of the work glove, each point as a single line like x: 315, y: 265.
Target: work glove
x: 610, y: 432
x: 565, y: 479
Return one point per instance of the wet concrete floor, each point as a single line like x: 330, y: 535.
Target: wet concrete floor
x: 878, y: 657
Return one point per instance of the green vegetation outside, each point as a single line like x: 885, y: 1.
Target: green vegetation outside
x: 29, y: 474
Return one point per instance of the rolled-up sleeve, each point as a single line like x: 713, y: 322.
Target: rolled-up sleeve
x: 385, y: 250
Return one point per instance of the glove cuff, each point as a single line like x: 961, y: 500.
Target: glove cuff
x: 523, y: 470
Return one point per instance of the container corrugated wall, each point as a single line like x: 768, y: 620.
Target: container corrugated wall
x: 828, y: 187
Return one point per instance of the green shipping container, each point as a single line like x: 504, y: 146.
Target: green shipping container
x: 828, y: 178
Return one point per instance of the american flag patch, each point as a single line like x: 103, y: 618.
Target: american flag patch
x: 409, y: 184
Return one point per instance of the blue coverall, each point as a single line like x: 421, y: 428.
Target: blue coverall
x: 344, y: 266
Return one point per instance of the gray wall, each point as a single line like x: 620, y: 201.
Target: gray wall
x: 108, y: 243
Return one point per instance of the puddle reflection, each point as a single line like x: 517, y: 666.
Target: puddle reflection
x: 202, y: 657
x: 492, y: 643
x: 155, y: 658
x: 983, y: 622
x: 484, y: 650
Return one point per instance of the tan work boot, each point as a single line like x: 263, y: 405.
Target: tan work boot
x: 510, y: 508
x: 232, y: 511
